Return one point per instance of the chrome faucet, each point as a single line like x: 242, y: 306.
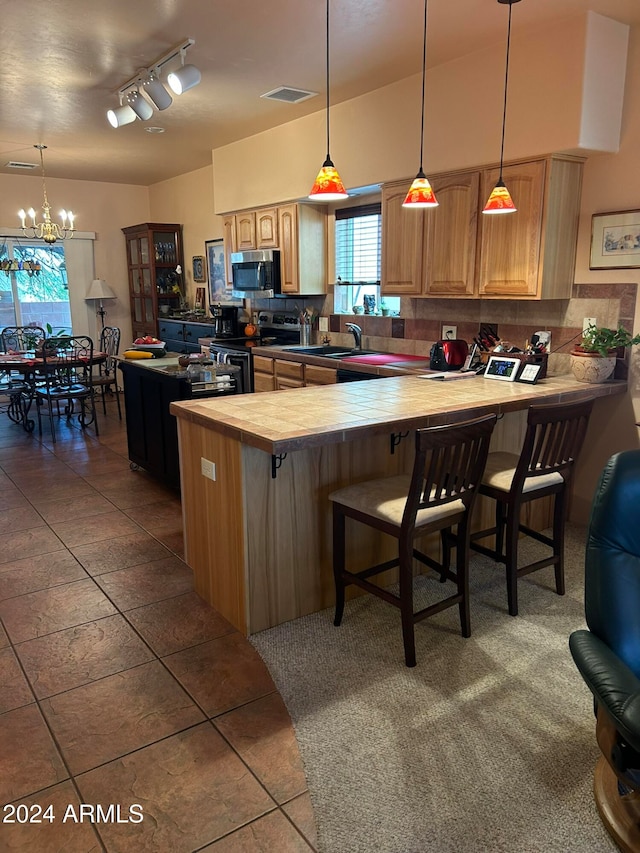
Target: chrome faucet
x: 356, y: 331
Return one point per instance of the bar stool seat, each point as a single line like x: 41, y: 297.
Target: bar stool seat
x: 553, y: 440
x: 439, y: 494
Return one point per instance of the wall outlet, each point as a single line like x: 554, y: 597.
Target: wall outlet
x: 588, y: 321
x: 323, y: 324
x: 449, y: 333
x: 207, y: 468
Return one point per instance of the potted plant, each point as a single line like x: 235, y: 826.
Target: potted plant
x: 594, y: 358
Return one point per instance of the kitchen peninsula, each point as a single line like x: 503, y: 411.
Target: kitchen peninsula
x: 258, y: 535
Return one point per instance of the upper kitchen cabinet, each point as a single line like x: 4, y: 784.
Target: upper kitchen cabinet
x: 402, y: 243
x: 153, y: 253
x: 267, y: 228
x: 302, y: 242
x: 530, y: 254
x: 451, y: 235
x: 454, y: 250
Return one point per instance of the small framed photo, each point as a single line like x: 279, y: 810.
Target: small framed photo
x: 199, y: 268
x: 615, y: 240
x: 529, y: 373
x: 200, y: 297
x: 502, y: 367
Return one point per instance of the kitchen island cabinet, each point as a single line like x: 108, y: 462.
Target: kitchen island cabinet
x: 258, y: 537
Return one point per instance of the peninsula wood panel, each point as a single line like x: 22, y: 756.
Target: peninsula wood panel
x: 213, y: 519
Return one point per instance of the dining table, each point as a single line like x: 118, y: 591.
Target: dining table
x: 20, y: 373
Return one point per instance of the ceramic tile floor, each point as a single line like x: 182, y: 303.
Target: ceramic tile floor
x: 121, y: 687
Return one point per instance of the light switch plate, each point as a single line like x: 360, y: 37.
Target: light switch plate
x: 323, y: 324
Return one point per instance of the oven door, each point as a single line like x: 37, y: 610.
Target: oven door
x: 241, y: 358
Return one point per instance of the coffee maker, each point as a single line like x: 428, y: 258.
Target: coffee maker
x: 225, y: 320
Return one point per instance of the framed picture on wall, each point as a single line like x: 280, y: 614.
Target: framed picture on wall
x: 199, y: 268
x: 615, y: 240
x: 219, y: 291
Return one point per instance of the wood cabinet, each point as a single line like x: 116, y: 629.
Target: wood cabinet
x: 455, y: 251
x: 298, y: 230
x: 276, y: 374
x: 402, y: 243
x: 267, y: 228
x: 531, y: 253
x: 302, y: 231
x: 154, y: 251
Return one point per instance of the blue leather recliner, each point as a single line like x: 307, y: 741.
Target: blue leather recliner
x: 608, y: 654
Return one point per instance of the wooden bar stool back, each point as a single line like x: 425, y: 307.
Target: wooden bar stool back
x: 552, y: 443
x: 447, y: 470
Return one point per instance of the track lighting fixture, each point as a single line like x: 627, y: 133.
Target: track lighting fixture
x: 184, y: 78
x: 121, y: 115
x: 155, y: 91
x: 139, y: 95
x: 141, y: 108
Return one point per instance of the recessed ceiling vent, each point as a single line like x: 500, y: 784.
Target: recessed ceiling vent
x: 289, y: 95
x: 16, y: 164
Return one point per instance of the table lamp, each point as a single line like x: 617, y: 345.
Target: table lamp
x: 100, y: 290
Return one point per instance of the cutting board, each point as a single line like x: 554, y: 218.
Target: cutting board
x: 388, y: 358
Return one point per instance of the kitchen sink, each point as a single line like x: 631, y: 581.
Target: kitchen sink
x: 331, y: 352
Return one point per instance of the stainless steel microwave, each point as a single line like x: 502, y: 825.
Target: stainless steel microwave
x: 255, y: 273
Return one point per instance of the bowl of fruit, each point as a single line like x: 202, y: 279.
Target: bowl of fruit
x: 150, y: 344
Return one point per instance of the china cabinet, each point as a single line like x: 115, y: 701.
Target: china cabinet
x: 154, y: 252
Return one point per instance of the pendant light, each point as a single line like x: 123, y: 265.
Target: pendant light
x: 420, y: 192
x: 328, y: 185
x: 500, y: 200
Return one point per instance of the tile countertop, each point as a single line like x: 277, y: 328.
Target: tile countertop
x: 296, y: 419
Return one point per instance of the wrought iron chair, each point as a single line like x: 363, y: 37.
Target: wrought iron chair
x: 448, y: 465
x: 66, y: 369
x: 13, y: 385
x: 104, y: 375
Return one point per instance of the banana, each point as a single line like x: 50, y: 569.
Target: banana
x: 136, y: 353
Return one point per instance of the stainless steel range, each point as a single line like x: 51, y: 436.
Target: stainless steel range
x: 275, y: 328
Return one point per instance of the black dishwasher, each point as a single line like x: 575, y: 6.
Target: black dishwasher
x: 343, y: 375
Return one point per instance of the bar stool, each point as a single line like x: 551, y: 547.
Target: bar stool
x: 447, y: 470
x: 552, y: 443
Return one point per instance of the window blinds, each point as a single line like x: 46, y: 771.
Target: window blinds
x: 358, y: 238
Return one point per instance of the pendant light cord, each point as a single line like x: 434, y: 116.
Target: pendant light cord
x: 506, y: 83
x: 424, y: 74
x: 328, y: 154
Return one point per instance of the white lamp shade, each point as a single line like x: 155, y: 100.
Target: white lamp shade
x: 156, y: 93
x: 121, y: 115
x: 100, y: 290
x: 184, y: 78
x: 141, y: 108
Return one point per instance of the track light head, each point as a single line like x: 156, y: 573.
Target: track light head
x: 156, y: 92
x: 121, y: 115
x: 184, y: 78
x: 141, y: 108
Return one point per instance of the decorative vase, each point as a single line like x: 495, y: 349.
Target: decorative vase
x: 592, y: 367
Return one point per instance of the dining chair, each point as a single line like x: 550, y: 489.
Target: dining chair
x: 544, y: 468
x: 66, y: 371
x: 103, y: 374
x: 16, y: 390
x: 438, y: 494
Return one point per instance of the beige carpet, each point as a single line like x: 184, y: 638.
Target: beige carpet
x: 487, y: 745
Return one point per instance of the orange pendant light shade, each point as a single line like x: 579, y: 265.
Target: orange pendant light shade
x: 420, y: 193
x: 500, y: 200
x: 328, y: 185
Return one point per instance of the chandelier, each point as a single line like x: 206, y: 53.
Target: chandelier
x: 46, y: 230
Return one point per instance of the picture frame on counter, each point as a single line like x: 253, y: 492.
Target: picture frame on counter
x: 615, y: 240
x: 502, y: 367
x: 199, y: 268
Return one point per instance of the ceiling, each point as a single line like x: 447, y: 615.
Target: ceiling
x: 63, y: 62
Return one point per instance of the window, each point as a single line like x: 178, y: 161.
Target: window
x: 358, y: 238
x: 33, y: 285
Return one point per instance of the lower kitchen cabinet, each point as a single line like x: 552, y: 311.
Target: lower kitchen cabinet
x: 183, y: 337
x: 274, y: 374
